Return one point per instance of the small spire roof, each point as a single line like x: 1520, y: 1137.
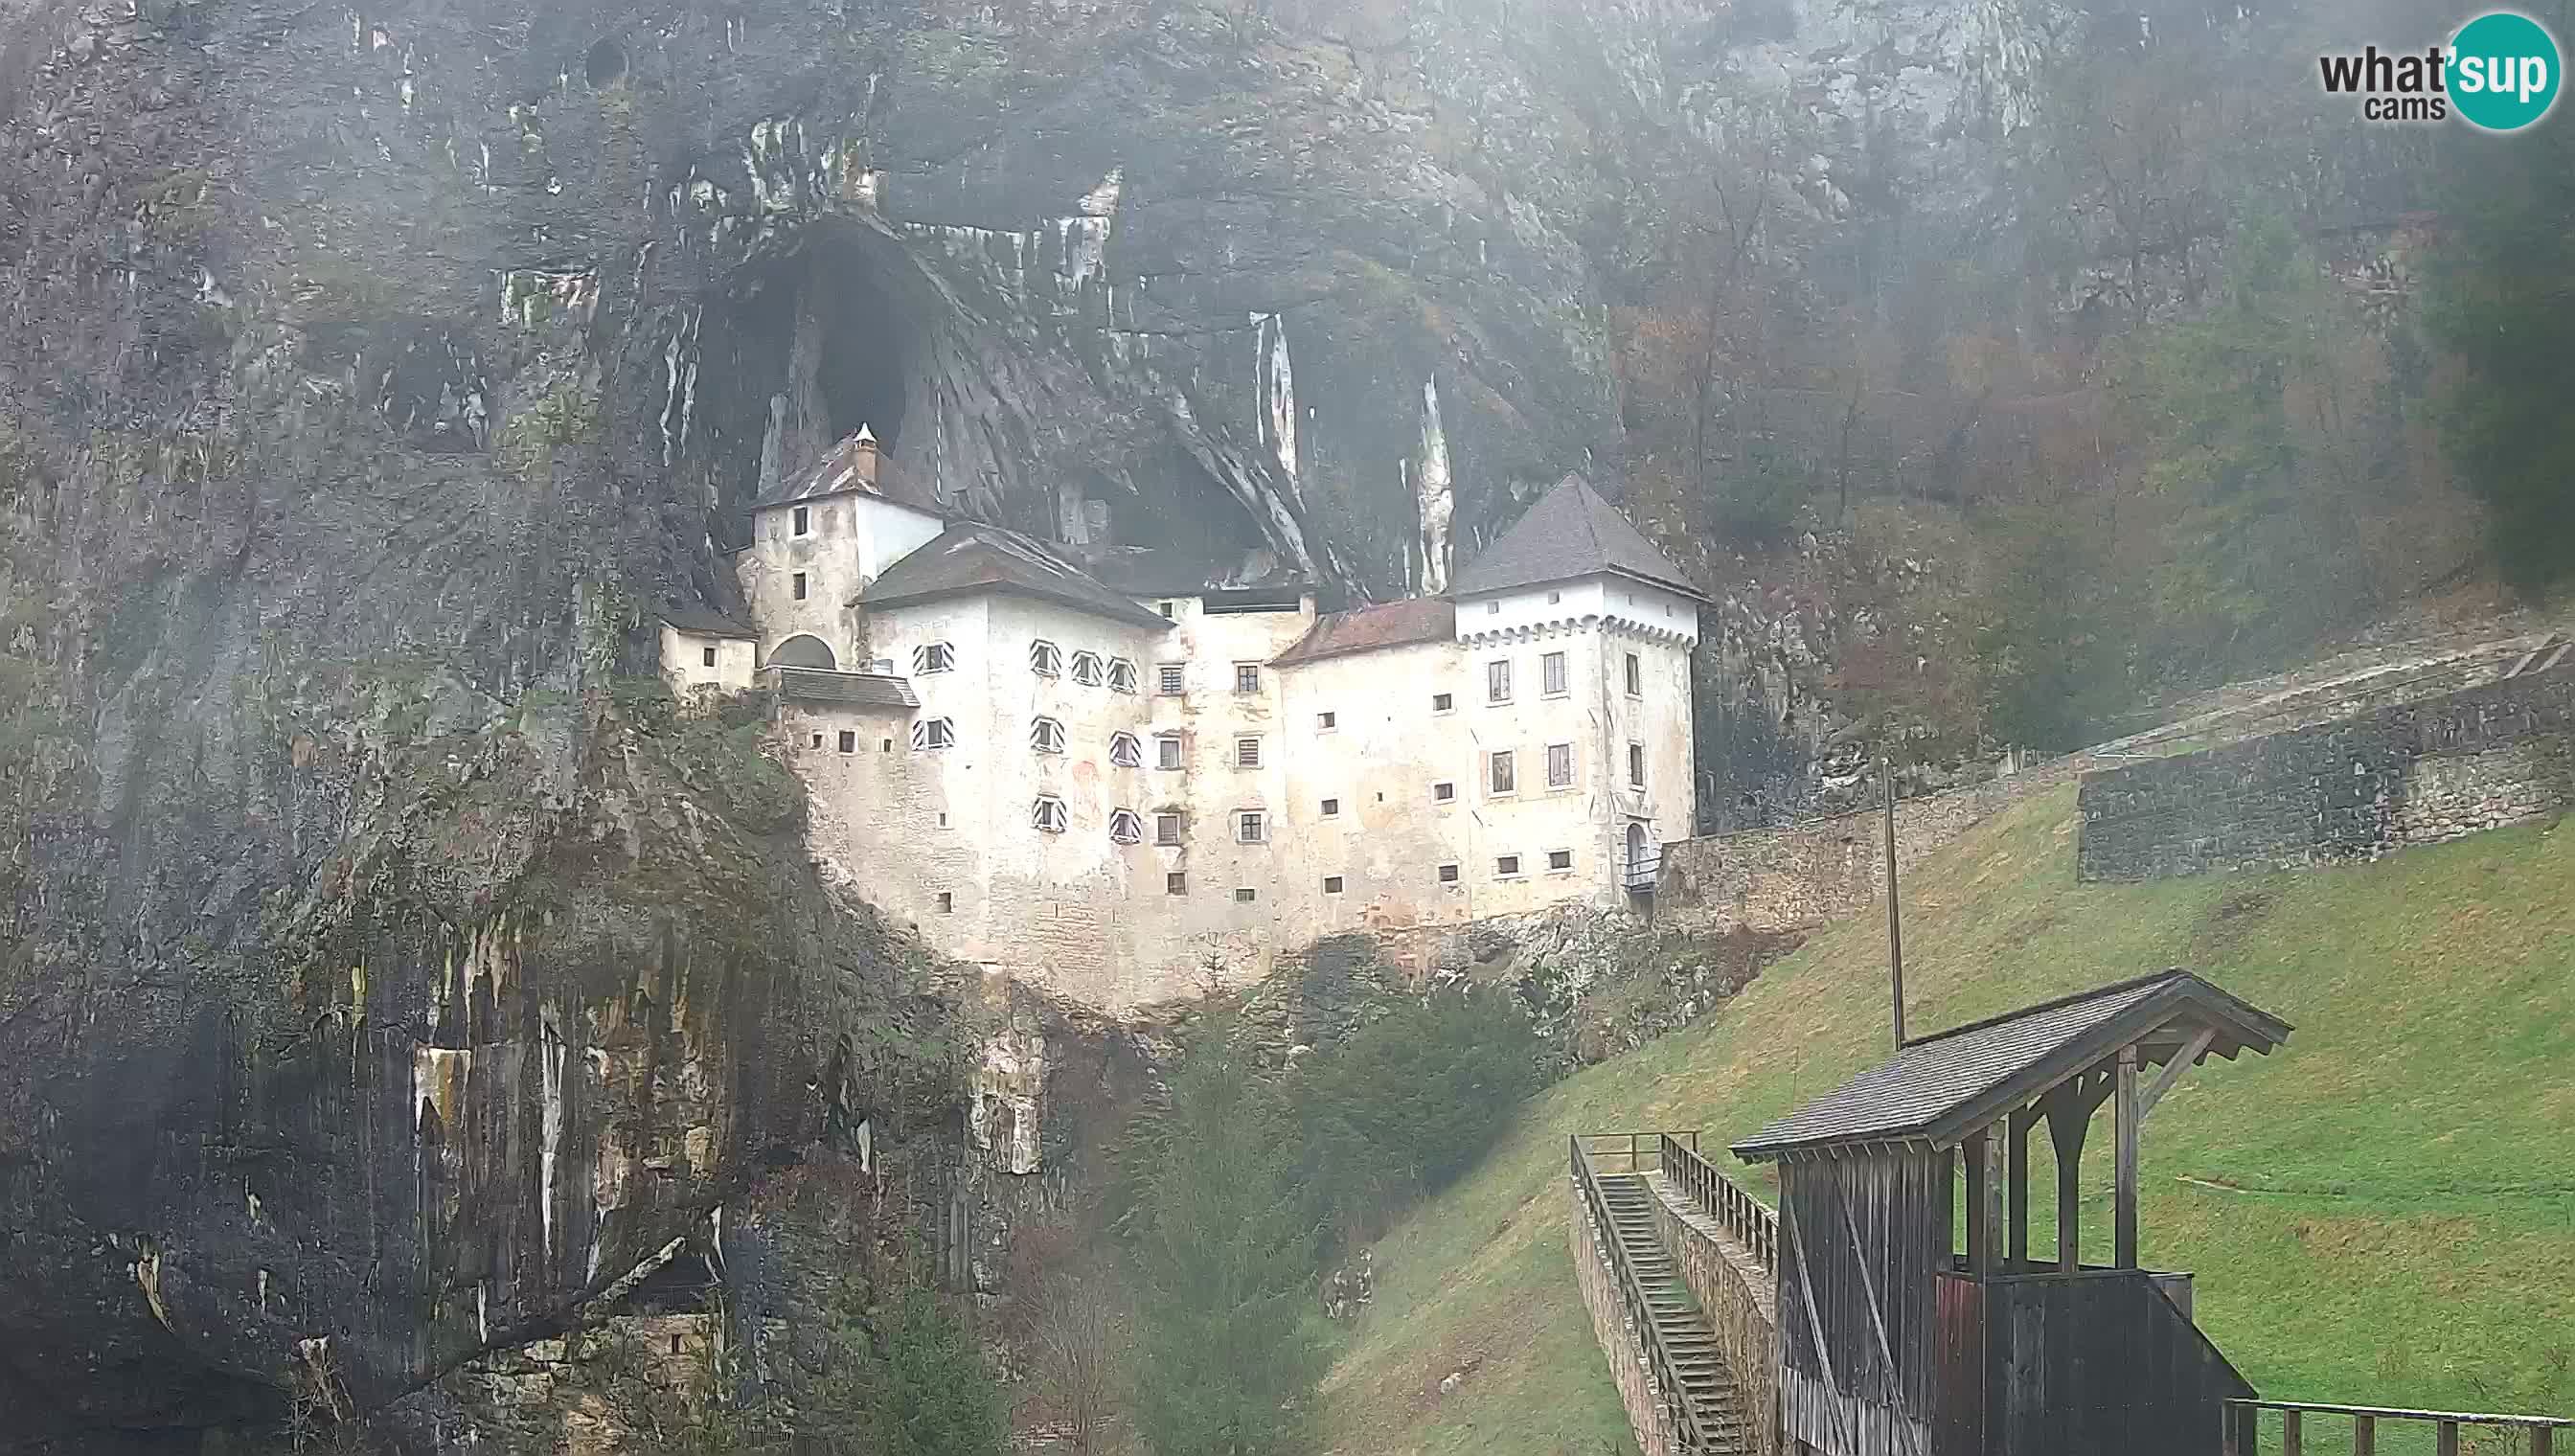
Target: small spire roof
x: 1572, y: 532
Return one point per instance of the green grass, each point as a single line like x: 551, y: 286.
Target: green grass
x: 2382, y: 1212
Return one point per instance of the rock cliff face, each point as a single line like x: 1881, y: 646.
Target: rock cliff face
x: 383, y: 971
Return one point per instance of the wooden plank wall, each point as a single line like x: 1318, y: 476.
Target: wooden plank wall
x: 2100, y: 1363
x: 1861, y: 1239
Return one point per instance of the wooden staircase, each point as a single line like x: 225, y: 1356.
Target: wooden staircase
x: 1707, y: 1388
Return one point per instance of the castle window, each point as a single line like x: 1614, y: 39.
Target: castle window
x: 1506, y: 776
x: 1086, y: 668
x: 1560, y: 860
x: 1175, y: 883
x: 1049, y: 814
x: 1167, y: 751
x: 1246, y: 895
x: 1167, y: 830
x: 1560, y: 766
x: 1126, y: 751
x: 1251, y: 826
x: 1554, y: 598
x: 933, y: 733
x: 1507, y: 867
x: 708, y: 654
x: 1124, y: 827
x: 1331, y: 809
x: 804, y: 520
x: 1332, y: 885
x: 1447, y: 874
x: 1046, y: 736
x: 849, y: 741
x: 800, y: 586
x: 1493, y: 609
x: 1168, y: 608
x: 1046, y: 658
x: 1443, y: 793
x: 1443, y: 703
x: 1247, y: 753
x: 1635, y: 676
x: 818, y: 741
x: 1324, y: 722
x: 947, y: 905
x: 933, y: 656
x: 1637, y: 764
x: 1247, y: 676
x: 885, y: 746
x: 1497, y: 680
x: 1552, y: 681
x: 1174, y: 679
x: 1122, y: 675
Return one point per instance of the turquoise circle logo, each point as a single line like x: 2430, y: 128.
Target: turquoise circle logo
x: 2503, y: 72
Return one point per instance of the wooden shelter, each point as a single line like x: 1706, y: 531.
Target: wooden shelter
x: 1898, y: 1339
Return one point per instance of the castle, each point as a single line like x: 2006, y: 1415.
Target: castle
x: 1128, y: 776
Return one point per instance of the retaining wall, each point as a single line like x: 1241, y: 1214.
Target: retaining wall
x: 2412, y: 772
x: 1738, y: 1296
x: 1624, y: 1347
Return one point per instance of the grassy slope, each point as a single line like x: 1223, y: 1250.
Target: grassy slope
x: 2413, y: 1240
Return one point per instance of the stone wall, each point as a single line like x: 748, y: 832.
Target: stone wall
x: 2412, y: 772
x: 1738, y: 1297
x: 1599, y: 1284
x: 1798, y: 876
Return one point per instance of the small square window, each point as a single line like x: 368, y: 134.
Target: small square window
x: 1443, y: 702
x: 708, y: 654
x: 1124, y: 827
x: 1087, y: 669
x: 1637, y: 764
x: 1046, y: 736
x: 849, y: 741
x: 1175, y: 883
x: 936, y: 656
x: 1560, y: 860
x: 1443, y: 793
x: 1247, y: 676
x: 1251, y: 826
x: 1046, y: 658
x: 1447, y: 874
x: 1508, y: 865
x: 800, y: 586
x: 885, y: 746
x: 947, y: 903
x: 1505, y: 774
x: 1247, y: 753
x: 1122, y: 675
x: 1167, y: 828
x: 1493, y: 609
x: 818, y: 741
x: 1552, y: 675
x: 1332, y: 807
x: 1497, y: 680
x: 936, y: 733
x: 1332, y: 885
x: 1324, y: 722
x: 804, y: 520
x: 1554, y: 598
x: 1049, y: 814
x: 1635, y: 676
x: 1172, y: 678
x: 1166, y: 608
x: 1126, y: 751
x: 1246, y: 895
x: 1167, y: 751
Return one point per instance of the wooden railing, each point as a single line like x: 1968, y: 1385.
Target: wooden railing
x: 1742, y: 1216
x: 1627, y: 1153
x: 2245, y: 1432
x: 1646, y: 871
x: 1632, y: 1290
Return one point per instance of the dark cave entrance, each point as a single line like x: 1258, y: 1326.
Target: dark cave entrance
x: 861, y: 371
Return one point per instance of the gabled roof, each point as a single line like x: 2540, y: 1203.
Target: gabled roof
x: 843, y: 471
x: 858, y: 690
x: 1570, y: 533
x: 969, y: 558
x: 1394, y: 625
x: 706, y: 623
x: 1941, y: 1088
x: 1166, y: 570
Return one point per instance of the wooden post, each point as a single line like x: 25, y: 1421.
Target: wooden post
x: 2124, y: 1196
x: 1972, y: 1153
x: 1894, y: 910
x: 2293, y: 1440
x: 2445, y: 1438
x: 2016, y: 1165
x: 2067, y: 1121
x: 2542, y: 1439
x: 2364, y: 1436
x: 1989, y: 1247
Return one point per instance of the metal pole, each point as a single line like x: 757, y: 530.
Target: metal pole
x: 1894, y: 912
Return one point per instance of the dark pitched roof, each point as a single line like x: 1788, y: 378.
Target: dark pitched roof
x: 842, y: 471
x: 1943, y: 1087
x: 1396, y: 623
x: 861, y: 690
x: 1570, y: 533
x: 706, y: 623
x: 974, y: 558
x: 1165, y: 570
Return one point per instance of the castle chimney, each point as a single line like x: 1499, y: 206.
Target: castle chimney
x: 863, y: 455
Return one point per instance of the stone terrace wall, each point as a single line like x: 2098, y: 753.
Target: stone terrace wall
x: 1739, y: 1299
x: 2409, y: 774
x: 1798, y: 876
x: 1599, y: 1284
